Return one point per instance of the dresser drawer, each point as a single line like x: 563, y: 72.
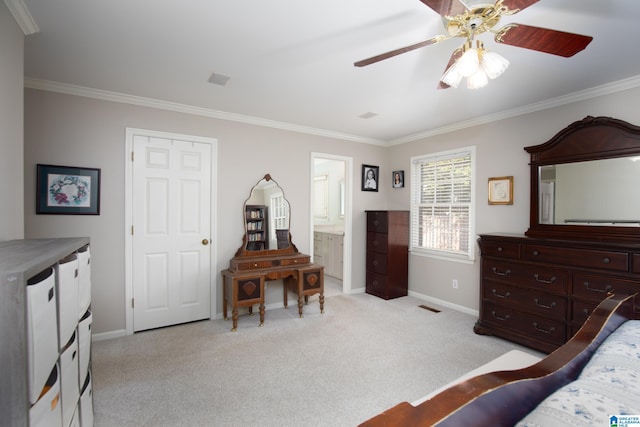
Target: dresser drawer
x: 501, y: 249
x: 597, y: 288
x: 605, y: 260
x: 536, y: 277
x: 376, y: 284
x: 377, y: 221
x: 635, y: 263
x: 537, y: 328
x: 545, y: 305
x: 581, y: 311
x: 377, y: 242
x: 377, y: 263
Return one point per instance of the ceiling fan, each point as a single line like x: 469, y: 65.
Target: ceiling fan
x: 469, y: 18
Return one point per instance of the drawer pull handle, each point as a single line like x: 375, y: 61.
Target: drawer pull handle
x: 537, y: 301
x: 498, y: 295
x: 545, y: 331
x: 535, y: 253
x: 499, y: 248
x: 506, y: 317
x: 606, y: 260
x: 545, y: 281
x: 376, y: 222
x: 500, y: 273
x: 374, y: 284
x: 602, y: 291
x: 375, y: 262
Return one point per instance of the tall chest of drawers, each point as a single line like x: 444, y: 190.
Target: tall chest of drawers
x: 387, y: 253
x: 538, y: 292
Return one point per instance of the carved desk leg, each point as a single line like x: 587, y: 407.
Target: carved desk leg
x: 310, y: 282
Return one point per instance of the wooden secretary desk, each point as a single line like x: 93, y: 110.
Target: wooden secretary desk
x: 268, y: 257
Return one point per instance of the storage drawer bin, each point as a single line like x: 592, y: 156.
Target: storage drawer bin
x: 70, y: 391
x: 86, y: 403
x: 75, y: 418
x: 46, y: 412
x: 67, y: 290
x: 42, y: 330
x: 84, y: 344
x: 84, y: 280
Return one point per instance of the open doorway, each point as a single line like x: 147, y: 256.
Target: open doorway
x: 331, y: 219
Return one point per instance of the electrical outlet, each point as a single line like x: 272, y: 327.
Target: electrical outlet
x: 455, y: 283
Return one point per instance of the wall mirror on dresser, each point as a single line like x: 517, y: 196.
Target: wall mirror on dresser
x: 584, y: 182
x: 267, y: 253
x: 583, y: 242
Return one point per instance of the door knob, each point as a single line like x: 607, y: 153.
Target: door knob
x: 205, y: 242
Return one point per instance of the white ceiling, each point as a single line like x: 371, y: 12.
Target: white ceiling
x: 290, y: 62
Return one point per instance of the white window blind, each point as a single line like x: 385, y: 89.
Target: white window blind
x: 442, y: 204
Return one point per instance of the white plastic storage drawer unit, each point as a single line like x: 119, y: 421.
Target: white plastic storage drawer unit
x: 42, y: 330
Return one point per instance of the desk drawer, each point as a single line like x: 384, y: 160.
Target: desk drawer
x: 377, y: 221
x: 545, y: 305
x: 536, y: 277
x: 534, y: 327
x: 607, y: 260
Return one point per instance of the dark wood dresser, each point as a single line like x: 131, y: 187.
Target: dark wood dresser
x: 539, y: 292
x: 387, y: 253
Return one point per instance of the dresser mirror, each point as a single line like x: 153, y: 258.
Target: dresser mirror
x: 584, y: 182
x: 266, y: 215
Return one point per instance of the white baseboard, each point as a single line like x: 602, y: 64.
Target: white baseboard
x: 108, y: 335
x: 444, y: 303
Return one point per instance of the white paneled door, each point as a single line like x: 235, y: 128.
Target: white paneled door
x: 171, y: 249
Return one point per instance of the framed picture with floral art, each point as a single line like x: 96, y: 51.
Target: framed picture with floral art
x: 67, y: 190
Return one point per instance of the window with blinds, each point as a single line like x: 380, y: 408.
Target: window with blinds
x: 442, y: 192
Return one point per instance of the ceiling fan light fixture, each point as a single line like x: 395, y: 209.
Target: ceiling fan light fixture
x: 494, y: 64
x: 452, y: 77
x: 478, y: 79
x: 468, y: 62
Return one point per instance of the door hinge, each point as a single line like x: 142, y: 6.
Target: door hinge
x: 132, y: 156
x: 133, y: 303
x: 132, y: 230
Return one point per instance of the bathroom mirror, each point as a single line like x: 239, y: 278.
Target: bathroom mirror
x: 584, y: 182
x: 266, y: 215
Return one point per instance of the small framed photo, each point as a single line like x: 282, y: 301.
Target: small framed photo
x: 67, y: 190
x: 501, y: 190
x: 370, y: 176
x: 397, y: 179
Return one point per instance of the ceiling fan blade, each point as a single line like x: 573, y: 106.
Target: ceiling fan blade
x: 542, y: 39
x: 518, y: 5
x: 396, y: 52
x: 446, y: 7
x: 454, y: 57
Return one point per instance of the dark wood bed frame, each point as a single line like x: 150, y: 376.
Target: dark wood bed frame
x: 502, y: 398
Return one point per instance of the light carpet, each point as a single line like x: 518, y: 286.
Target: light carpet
x: 362, y: 356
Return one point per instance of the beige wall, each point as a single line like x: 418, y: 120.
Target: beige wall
x: 72, y: 130
x: 11, y: 127
x: 499, y: 152
x: 77, y: 131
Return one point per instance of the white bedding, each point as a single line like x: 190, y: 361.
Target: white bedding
x: 608, y: 385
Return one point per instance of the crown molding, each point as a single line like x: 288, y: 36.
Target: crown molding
x: 571, y: 98
x: 22, y: 16
x: 105, y: 95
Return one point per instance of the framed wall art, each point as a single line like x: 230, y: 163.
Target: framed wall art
x: 501, y: 190
x: 67, y: 190
x: 370, y: 175
x: 397, y: 179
